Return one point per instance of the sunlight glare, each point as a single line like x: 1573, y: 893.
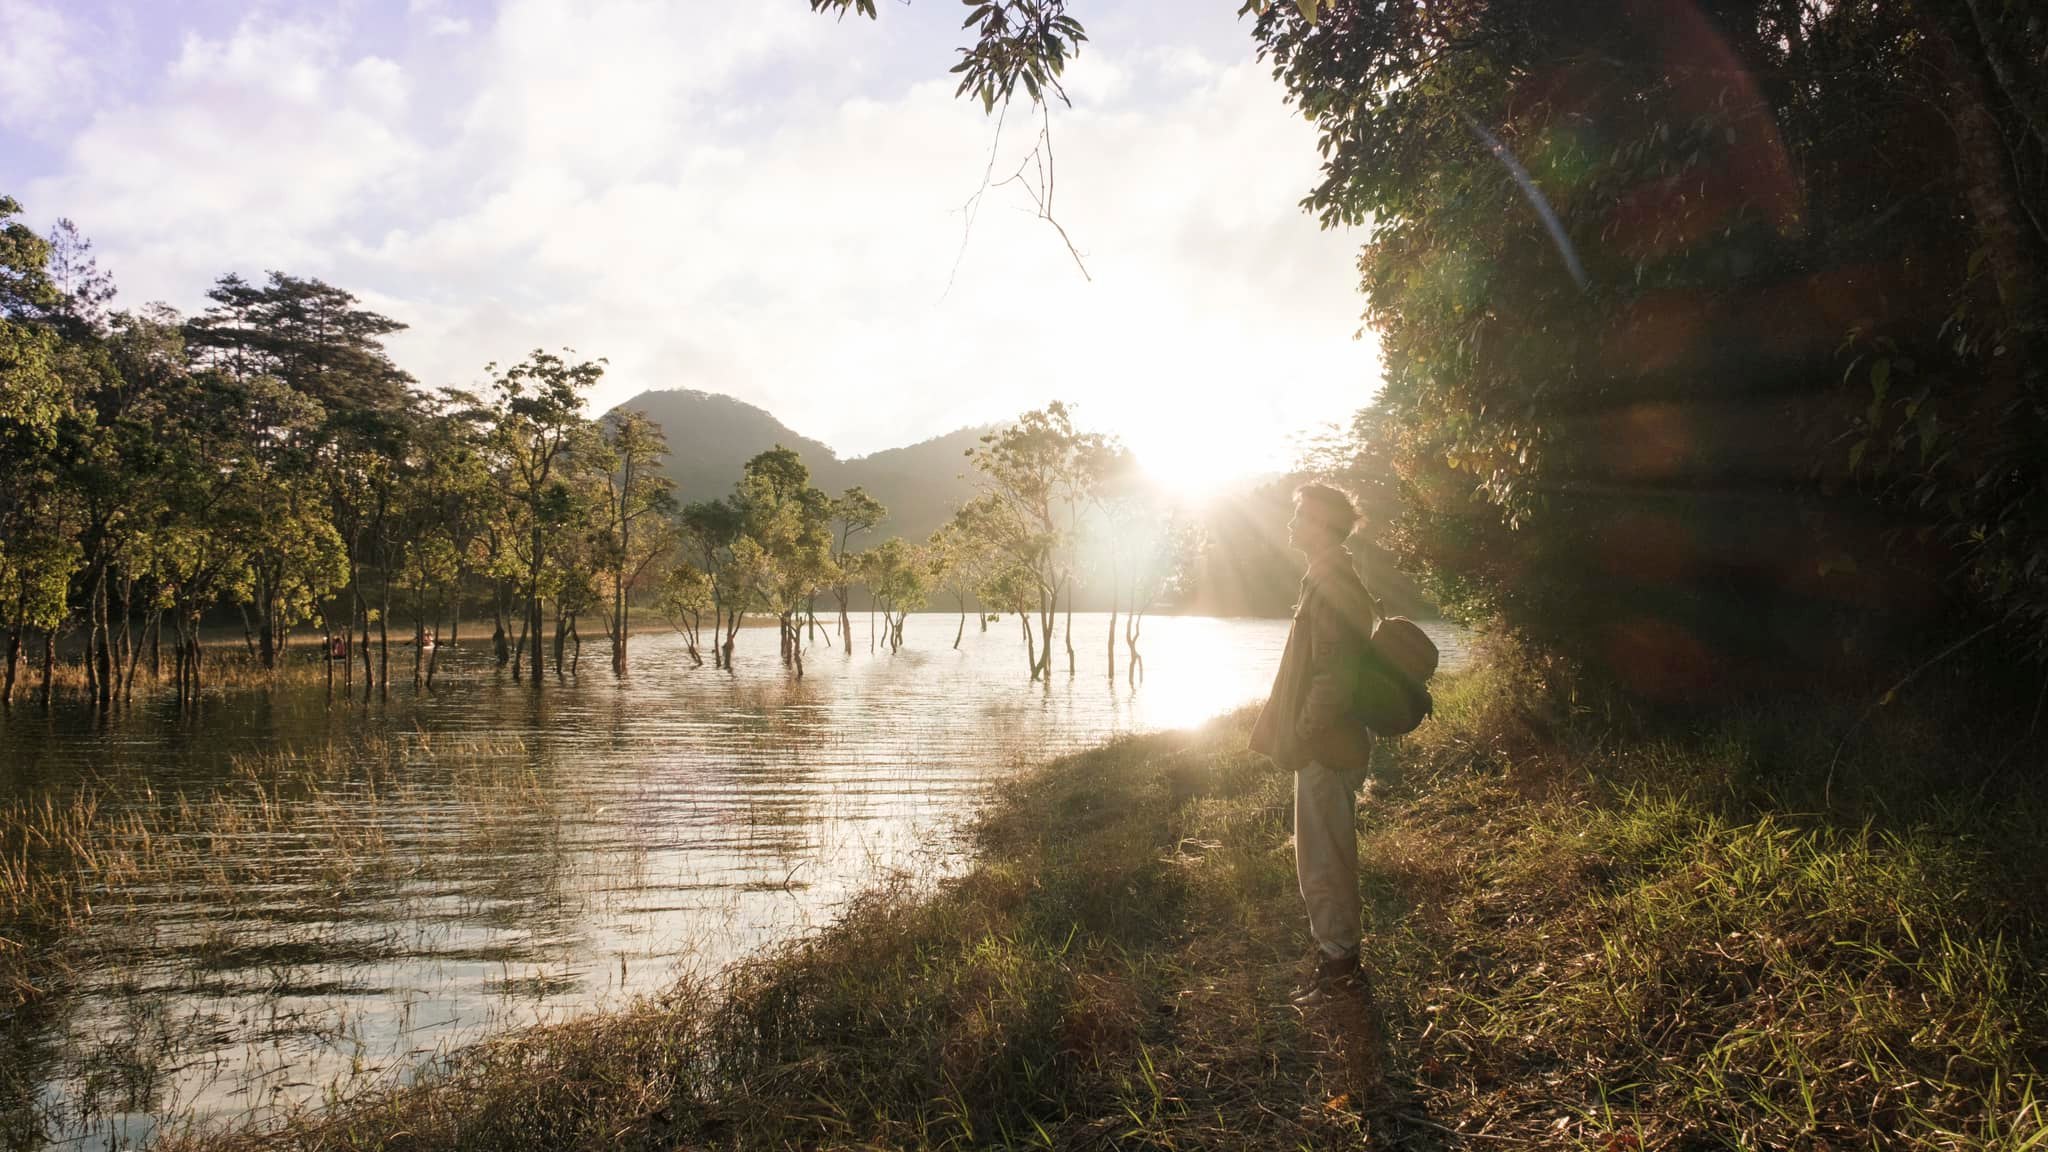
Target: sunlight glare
x: 1194, y: 463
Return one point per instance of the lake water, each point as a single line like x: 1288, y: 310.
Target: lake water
x: 290, y: 896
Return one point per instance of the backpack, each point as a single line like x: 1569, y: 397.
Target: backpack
x: 1387, y: 690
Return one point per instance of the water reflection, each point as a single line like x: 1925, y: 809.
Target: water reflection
x: 290, y: 895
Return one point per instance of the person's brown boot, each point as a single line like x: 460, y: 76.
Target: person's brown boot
x: 1334, y: 976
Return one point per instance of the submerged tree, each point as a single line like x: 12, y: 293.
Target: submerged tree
x: 788, y: 521
x: 538, y: 419
x: 853, y: 513
x: 684, y: 594
x: 958, y: 565
x: 1033, y: 480
x: 638, y: 501
x: 898, y: 576
x: 710, y: 530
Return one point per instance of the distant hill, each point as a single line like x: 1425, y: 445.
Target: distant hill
x: 1247, y: 569
x: 710, y: 437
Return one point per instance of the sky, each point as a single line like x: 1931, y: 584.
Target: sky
x: 738, y: 197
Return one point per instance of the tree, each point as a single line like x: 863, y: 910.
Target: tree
x: 684, y: 594
x: 1741, y: 324
x: 1160, y: 552
x: 853, y: 513
x: 539, y: 417
x: 349, y: 427
x: 789, y: 523
x: 1033, y: 483
x: 958, y: 564
x: 711, y: 529
x: 898, y: 576
x: 1122, y: 499
x: 636, y: 493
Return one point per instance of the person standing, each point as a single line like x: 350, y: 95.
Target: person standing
x: 1307, y: 726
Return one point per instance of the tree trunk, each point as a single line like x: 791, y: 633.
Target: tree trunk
x: 369, y: 670
x: 193, y: 654
x: 124, y: 667
x: 533, y: 602
x: 248, y: 631
x: 384, y: 633
x: 561, y: 639
x: 500, y: 606
x: 49, y: 664
x: 2008, y: 245
x: 102, y: 655
x: 134, y: 648
x: 13, y: 659
x: 1030, y: 643
x: 1067, y: 635
x: 625, y: 625
x: 156, y: 637
x: 266, y: 651
x: 1115, y: 586
x: 91, y: 635
x: 618, y: 620
x: 2010, y: 73
x: 419, y: 644
x: 1048, y: 620
x: 962, y: 630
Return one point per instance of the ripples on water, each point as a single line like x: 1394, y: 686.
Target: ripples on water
x: 350, y: 891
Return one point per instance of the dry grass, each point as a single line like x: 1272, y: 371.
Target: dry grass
x: 125, y: 892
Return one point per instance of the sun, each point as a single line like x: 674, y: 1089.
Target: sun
x: 1196, y: 464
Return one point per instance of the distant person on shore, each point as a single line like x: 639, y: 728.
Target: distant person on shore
x: 1308, y: 727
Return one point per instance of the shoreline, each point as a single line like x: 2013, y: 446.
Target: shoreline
x: 1566, y: 955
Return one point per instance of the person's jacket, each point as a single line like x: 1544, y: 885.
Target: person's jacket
x: 1308, y: 714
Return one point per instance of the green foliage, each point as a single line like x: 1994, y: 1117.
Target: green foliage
x: 1017, y: 43
x: 788, y: 522
x: 1733, y: 405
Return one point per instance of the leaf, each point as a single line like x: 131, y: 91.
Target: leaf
x: 1308, y: 9
x: 1881, y: 376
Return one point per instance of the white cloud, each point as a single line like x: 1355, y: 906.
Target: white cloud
x: 42, y: 71
x: 257, y: 151
x: 698, y: 193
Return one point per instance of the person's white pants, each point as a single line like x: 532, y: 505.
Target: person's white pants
x: 1326, y: 857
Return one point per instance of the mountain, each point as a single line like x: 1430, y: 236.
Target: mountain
x: 711, y: 437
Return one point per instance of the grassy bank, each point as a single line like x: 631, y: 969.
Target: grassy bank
x: 1578, y: 941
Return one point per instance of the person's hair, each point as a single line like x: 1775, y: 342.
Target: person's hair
x: 1329, y: 507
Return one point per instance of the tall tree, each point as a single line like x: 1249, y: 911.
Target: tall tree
x: 959, y: 563
x: 789, y: 523
x: 316, y: 341
x: 1033, y: 479
x: 711, y: 529
x: 853, y: 513
x: 638, y: 502
x: 539, y: 417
